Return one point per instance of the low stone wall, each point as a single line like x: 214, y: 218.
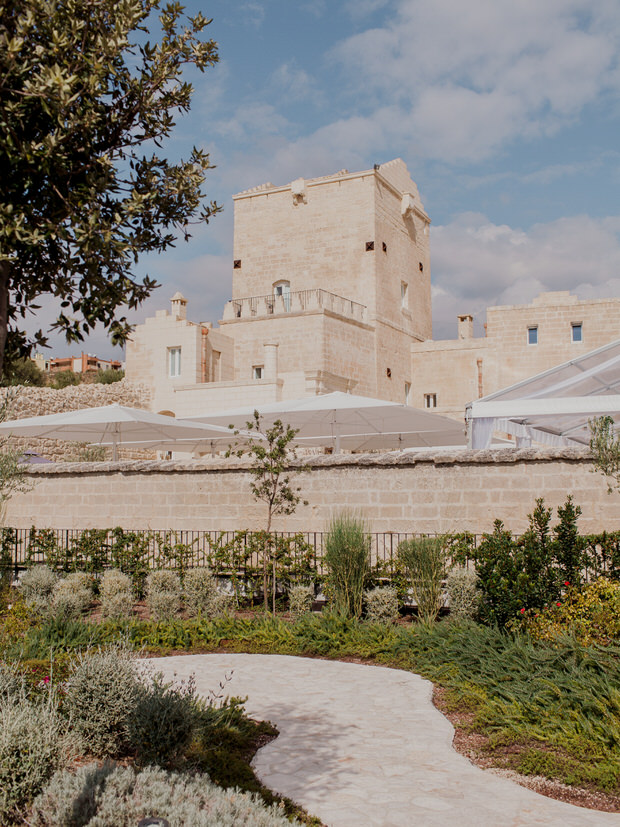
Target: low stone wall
x: 455, y: 491
x: 30, y: 401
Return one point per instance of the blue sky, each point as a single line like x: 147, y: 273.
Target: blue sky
x: 507, y: 113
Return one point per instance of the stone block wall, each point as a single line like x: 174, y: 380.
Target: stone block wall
x: 427, y: 492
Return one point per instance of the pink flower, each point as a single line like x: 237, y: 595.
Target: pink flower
x: 46, y: 679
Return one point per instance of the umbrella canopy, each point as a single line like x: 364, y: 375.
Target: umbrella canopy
x: 116, y: 425
x: 357, y: 423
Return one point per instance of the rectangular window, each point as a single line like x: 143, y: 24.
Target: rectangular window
x: 404, y: 295
x: 430, y: 400
x: 407, y: 392
x: 174, y: 361
x: 532, y: 335
x: 257, y: 372
x: 576, y: 332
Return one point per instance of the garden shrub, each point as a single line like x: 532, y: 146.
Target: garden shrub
x: 300, y: 599
x: 569, y: 547
x: 200, y: 593
x: 116, y: 592
x: 463, y: 594
x: 590, y: 613
x: 36, y: 587
x: 101, y: 693
x: 163, y: 593
x: 381, y: 604
x: 425, y: 559
x: 11, y: 682
x: 162, y: 722
x: 347, y: 556
x: 72, y: 595
x: 525, y: 573
x: 33, y: 745
x: 112, y: 796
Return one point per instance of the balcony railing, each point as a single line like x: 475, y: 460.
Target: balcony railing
x: 296, y: 302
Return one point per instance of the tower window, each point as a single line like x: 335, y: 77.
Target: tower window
x: 257, y: 372
x: 370, y: 245
x: 430, y: 400
x: 576, y: 332
x: 407, y: 392
x: 174, y: 362
x: 532, y: 335
x: 404, y: 295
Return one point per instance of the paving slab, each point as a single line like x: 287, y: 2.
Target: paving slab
x: 364, y: 746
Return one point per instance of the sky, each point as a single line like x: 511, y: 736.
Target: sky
x: 507, y: 113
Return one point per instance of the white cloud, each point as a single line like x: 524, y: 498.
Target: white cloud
x: 469, y: 78
x: 252, y: 14
x: 294, y: 83
x: 476, y: 263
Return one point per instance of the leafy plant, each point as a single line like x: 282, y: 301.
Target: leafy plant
x: 116, y: 594
x: 605, y: 448
x: 33, y: 745
x: 347, y: 556
x: 101, y: 694
x: 121, y: 795
x: 163, y: 593
x: 37, y: 586
x: 300, y: 600
x: 463, y: 594
x: 425, y: 559
x: 65, y: 378
x: 271, y: 456
x: 72, y: 595
x: 381, y: 604
x: 108, y: 376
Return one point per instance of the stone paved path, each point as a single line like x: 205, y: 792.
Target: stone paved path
x: 363, y: 746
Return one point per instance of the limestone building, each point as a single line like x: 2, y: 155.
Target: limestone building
x: 520, y: 341
x: 331, y: 291
x: 331, y: 286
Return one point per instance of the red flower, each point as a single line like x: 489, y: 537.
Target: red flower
x: 558, y: 604
x: 566, y: 583
x: 522, y: 611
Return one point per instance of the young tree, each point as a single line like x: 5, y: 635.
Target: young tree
x: 271, y: 453
x: 605, y: 447
x: 86, y: 102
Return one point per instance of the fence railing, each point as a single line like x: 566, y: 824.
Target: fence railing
x: 238, y: 553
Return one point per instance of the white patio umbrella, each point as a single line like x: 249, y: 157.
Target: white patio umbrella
x: 114, y: 425
x: 357, y: 423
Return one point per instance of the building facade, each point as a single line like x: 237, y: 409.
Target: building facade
x: 520, y: 341
x: 331, y: 291
x: 331, y: 286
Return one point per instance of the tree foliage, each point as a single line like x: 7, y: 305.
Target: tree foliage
x: 86, y: 103
x: 23, y: 371
x: 271, y: 453
x: 605, y: 447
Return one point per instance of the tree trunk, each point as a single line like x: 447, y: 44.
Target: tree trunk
x: 5, y: 271
x: 266, y: 564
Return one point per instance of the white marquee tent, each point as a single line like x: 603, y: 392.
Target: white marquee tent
x: 355, y: 423
x: 553, y: 407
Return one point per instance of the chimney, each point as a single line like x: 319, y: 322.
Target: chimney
x: 465, y: 327
x: 178, y: 306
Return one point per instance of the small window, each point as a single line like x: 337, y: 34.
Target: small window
x: 174, y: 361
x: 407, y: 392
x: 283, y: 288
x: 532, y: 335
x: 404, y: 295
x: 430, y: 400
x: 257, y: 372
x: 576, y: 332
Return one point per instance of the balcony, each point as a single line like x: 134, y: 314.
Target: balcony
x: 260, y: 307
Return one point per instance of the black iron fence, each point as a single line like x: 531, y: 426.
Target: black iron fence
x: 298, y: 556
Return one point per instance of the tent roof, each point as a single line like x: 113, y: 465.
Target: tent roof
x: 553, y: 407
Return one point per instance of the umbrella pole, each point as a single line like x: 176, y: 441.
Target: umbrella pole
x: 114, y: 450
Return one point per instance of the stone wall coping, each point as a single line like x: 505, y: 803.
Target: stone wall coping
x: 499, y: 456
